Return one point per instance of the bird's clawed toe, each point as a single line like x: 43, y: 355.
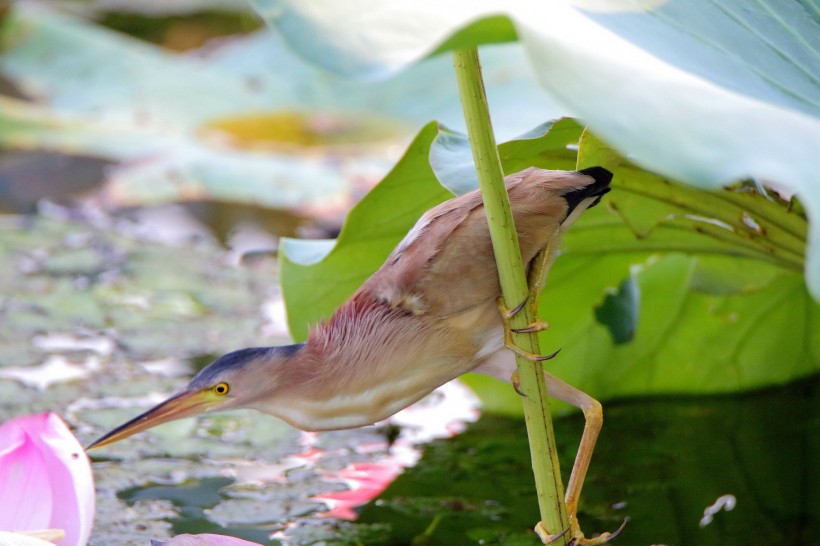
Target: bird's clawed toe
x: 545, y: 536
x: 515, y: 380
x: 510, y: 313
x: 537, y: 326
x: 543, y: 358
x: 578, y: 538
x: 532, y: 357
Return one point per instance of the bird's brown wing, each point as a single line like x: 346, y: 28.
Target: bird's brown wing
x: 445, y: 265
x: 403, y: 280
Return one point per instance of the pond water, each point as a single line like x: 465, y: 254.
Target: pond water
x: 659, y: 464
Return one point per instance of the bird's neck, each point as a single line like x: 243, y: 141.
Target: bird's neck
x: 363, y: 365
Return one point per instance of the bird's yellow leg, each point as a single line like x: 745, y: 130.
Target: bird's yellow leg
x: 539, y: 268
x: 594, y: 418
x: 537, y: 276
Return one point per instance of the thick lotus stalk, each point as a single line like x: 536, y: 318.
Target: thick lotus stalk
x: 514, y: 287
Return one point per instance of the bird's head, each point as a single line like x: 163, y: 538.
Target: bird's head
x: 235, y: 380
x: 581, y: 198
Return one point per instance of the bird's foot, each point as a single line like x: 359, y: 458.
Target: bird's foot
x: 537, y: 326
x: 577, y: 537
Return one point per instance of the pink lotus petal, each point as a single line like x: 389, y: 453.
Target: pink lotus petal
x: 24, y: 482
x: 205, y: 540
x: 45, y: 470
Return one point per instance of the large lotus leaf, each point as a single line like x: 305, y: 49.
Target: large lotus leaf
x: 148, y: 8
x: 702, y: 92
x: 247, y: 121
x: 424, y: 92
x: 372, y: 39
x: 71, y: 66
x: 664, y: 288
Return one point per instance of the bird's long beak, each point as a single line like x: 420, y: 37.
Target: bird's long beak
x: 184, y: 404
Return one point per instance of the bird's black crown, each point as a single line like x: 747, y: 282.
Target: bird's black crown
x: 602, y: 178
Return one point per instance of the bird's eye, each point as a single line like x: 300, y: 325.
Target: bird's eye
x: 222, y: 388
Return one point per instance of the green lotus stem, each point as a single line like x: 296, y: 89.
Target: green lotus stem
x: 514, y: 287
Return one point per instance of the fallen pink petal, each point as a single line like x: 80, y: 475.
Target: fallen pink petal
x: 365, y: 482
x: 46, y: 471
x: 204, y: 540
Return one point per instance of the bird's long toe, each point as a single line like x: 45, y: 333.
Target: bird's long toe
x: 533, y: 327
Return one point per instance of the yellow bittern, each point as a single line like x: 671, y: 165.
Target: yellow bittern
x: 428, y: 315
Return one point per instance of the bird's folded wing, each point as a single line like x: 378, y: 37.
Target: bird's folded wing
x: 445, y: 265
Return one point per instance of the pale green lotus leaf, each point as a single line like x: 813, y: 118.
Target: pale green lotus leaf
x: 303, y: 135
